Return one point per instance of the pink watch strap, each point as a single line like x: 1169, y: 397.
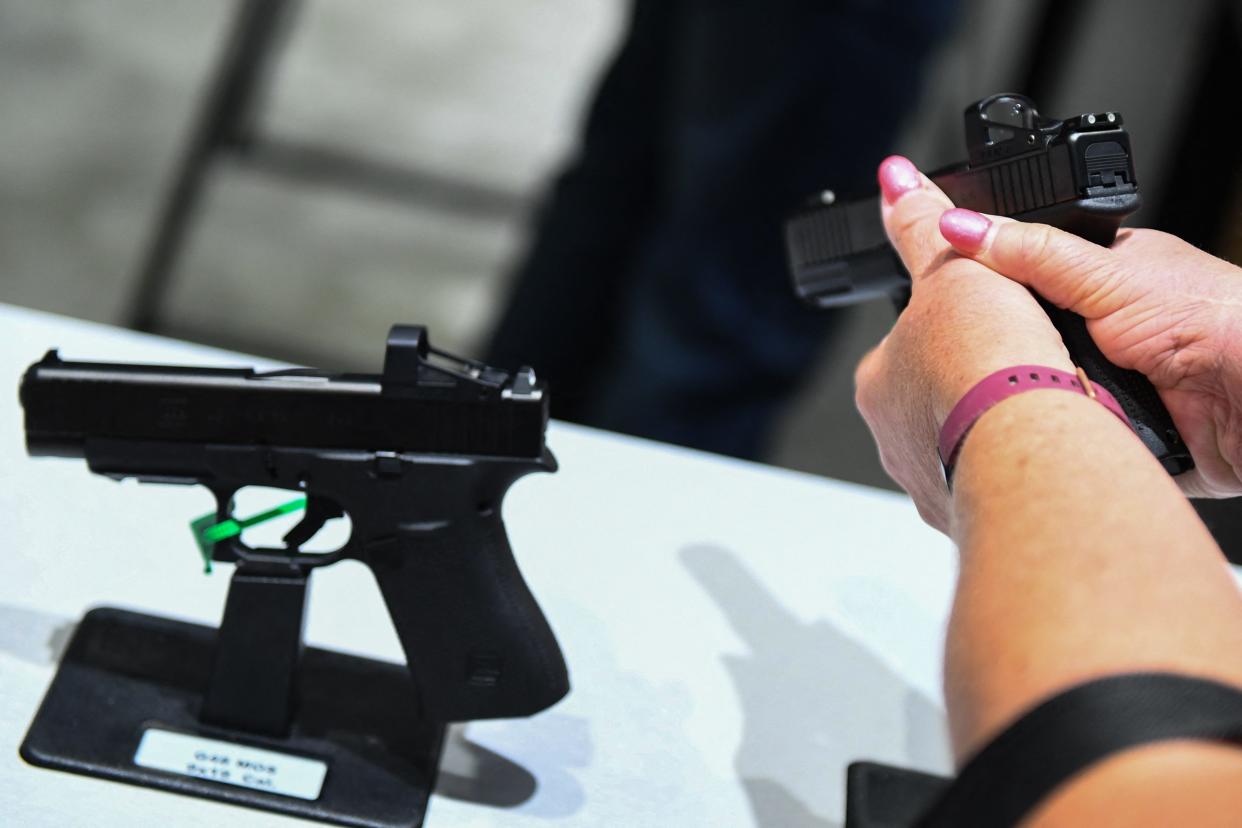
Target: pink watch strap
x: 1004, y: 384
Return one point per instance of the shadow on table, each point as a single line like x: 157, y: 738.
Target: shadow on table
x: 813, y: 701
x: 34, y: 636
x: 471, y: 773
x: 553, y: 747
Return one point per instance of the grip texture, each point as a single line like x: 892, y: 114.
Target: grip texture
x: 475, y: 639
x: 1137, y: 396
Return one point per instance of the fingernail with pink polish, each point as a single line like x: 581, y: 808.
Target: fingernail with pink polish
x: 964, y: 229
x: 897, y: 177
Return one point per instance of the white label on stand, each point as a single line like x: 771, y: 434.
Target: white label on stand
x: 232, y: 764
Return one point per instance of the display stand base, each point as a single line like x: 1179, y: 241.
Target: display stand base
x: 124, y: 674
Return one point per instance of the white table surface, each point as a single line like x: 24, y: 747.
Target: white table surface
x: 736, y: 634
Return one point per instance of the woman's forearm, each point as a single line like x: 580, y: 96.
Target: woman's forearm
x: 1079, y: 558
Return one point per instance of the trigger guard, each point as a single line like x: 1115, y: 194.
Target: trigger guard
x: 282, y: 557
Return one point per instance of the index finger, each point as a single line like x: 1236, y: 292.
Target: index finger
x: 911, y: 208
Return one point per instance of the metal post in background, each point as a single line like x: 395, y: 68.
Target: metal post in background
x: 222, y: 119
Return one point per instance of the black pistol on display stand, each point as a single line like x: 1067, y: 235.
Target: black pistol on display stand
x: 419, y: 458
x: 1076, y: 174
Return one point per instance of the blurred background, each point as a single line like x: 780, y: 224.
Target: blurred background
x: 290, y: 178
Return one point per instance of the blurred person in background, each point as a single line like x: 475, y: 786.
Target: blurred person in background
x: 654, y: 297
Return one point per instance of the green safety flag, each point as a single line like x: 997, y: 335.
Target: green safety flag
x: 208, y: 532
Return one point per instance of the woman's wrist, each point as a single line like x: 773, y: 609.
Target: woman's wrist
x: 1004, y: 384
x: 1035, y: 444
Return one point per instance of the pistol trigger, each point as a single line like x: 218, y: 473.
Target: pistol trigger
x: 319, y: 510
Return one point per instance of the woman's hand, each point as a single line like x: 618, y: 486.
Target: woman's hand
x: 964, y: 321
x: 1153, y: 303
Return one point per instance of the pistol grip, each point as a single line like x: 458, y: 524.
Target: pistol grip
x: 1137, y: 397
x: 1097, y: 220
x: 476, y: 641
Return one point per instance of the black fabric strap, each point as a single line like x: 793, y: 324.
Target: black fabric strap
x: 1076, y: 729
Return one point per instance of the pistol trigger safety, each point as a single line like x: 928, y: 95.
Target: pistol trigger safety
x: 319, y: 511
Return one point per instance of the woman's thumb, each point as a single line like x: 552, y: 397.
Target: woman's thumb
x: 1068, y: 271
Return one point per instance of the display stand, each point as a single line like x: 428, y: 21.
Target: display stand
x: 243, y: 714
